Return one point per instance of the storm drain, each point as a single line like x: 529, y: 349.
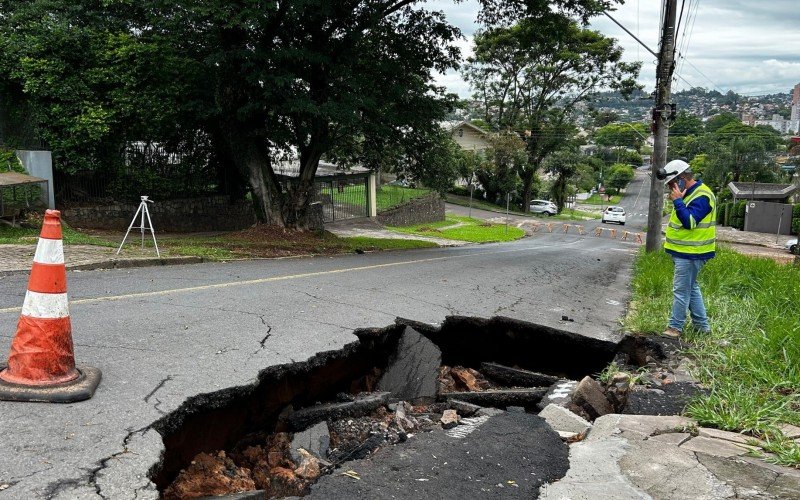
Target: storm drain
x: 309, y: 421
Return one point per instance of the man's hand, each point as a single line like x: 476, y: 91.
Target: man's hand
x: 675, y: 192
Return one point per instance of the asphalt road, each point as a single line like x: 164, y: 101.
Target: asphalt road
x: 163, y: 334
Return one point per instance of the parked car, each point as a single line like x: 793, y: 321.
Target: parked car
x: 544, y: 207
x: 791, y: 245
x: 614, y: 214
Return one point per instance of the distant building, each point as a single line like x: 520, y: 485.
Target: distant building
x: 470, y: 137
x: 781, y: 124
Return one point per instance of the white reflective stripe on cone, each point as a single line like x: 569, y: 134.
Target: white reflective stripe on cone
x: 49, y: 252
x: 45, y: 305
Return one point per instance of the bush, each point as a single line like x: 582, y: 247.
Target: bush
x: 738, y: 222
x: 796, y: 211
x: 741, y: 207
x: 795, y: 226
x: 459, y: 190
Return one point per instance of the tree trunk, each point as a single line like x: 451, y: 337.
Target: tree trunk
x: 301, y: 194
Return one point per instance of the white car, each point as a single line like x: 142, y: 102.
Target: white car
x: 791, y: 245
x: 544, y: 207
x: 614, y: 214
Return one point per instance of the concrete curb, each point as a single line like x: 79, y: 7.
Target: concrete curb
x: 121, y: 264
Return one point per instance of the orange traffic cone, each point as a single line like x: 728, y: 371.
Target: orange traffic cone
x: 41, y: 365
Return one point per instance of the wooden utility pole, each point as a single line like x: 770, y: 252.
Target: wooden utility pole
x: 660, y: 125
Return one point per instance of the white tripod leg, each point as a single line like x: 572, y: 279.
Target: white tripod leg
x: 141, y: 226
x: 129, y: 229
x: 152, y: 230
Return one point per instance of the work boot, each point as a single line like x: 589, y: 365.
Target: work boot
x: 671, y: 333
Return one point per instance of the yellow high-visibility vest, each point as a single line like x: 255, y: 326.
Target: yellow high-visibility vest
x: 702, y: 236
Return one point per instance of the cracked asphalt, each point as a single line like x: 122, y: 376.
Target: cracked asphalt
x: 163, y: 334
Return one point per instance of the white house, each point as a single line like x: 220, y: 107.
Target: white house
x: 470, y: 137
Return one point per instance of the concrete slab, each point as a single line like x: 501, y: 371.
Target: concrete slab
x: 673, y: 438
x: 734, y: 437
x: 561, y: 419
x: 715, y: 447
x: 790, y: 431
x: 650, y: 425
x: 670, y: 472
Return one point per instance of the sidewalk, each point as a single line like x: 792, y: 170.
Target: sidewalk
x: 19, y: 258
x: 635, y: 457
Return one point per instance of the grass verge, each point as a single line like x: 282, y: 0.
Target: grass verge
x: 751, y: 361
x: 595, y: 200
x: 464, y: 229
x: 258, y: 241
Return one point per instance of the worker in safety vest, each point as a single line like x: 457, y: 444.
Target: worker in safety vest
x: 691, y: 241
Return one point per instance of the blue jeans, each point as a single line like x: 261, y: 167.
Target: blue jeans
x: 686, y: 295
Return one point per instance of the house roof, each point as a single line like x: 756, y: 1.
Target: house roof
x: 761, y: 190
x: 452, y: 125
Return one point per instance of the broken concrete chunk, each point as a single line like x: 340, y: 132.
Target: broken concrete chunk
x: 488, y: 412
x: 449, y: 419
x: 462, y: 407
x: 516, y: 376
x: 527, y: 398
x: 316, y: 440
x: 559, y: 393
x: 412, y: 373
x: 589, y: 396
x: 561, y: 419
x: 362, y: 405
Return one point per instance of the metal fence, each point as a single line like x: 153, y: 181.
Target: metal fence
x: 143, y: 168
x: 342, y: 197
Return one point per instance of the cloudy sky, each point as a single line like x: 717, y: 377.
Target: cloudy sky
x: 749, y: 46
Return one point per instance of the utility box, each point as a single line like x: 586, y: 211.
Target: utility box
x: 766, y: 217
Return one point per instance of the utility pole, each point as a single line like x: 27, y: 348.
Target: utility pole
x: 661, y: 115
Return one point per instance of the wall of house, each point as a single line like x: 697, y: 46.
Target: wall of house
x: 429, y: 208
x: 211, y: 213
x: 470, y: 139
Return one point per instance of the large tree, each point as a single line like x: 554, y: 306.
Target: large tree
x: 309, y: 77
x: 622, y: 135
x: 530, y: 75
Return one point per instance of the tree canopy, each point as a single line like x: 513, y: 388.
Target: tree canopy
x: 530, y: 75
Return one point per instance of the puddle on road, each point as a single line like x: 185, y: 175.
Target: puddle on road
x: 304, y: 420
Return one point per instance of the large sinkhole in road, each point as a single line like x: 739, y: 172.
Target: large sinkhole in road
x: 302, y: 421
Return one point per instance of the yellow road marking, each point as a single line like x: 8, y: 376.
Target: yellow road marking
x: 157, y: 293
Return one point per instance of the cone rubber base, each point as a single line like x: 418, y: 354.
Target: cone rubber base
x: 80, y: 389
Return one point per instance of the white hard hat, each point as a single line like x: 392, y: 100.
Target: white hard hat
x: 672, y: 170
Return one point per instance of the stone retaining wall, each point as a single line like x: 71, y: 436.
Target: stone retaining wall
x: 428, y: 208
x: 213, y: 213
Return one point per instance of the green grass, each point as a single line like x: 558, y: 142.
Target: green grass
x: 24, y: 235
x: 595, y: 200
x: 472, y: 230
x: 391, y: 196
x: 751, y: 361
x: 568, y: 214
x: 387, y: 197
